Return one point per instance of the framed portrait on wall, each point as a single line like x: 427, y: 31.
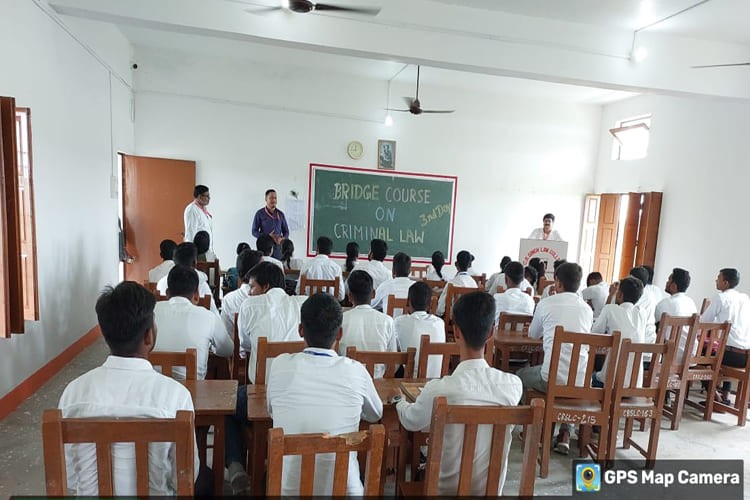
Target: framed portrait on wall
x: 386, y: 155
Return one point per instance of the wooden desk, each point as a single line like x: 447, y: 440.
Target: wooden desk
x: 213, y: 400
x: 515, y: 342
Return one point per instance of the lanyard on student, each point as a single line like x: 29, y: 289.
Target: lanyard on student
x: 275, y: 217
x: 315, y: 353
x: 203, y: 209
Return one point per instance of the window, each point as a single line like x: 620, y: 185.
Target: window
x: 26, y: 215
x: 631, y: 138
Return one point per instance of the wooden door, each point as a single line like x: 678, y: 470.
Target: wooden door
x: 630, y: 233
x: 588, y: 233
x: 606, y: 235
x: 648, y: 229
x: 155, y: 192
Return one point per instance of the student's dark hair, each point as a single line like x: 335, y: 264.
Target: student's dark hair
x: 681, y: 279
x: 530, y: 274
x: 558, y: 263
x: 269, y: 191
x: 514, y: 272
x: 650, y: 271
x: 378, y: 249
x: 125, y: 313
x: 595, y: 276
x: 549, y: 216
x: 182, y: 282
x: 474, y: 314
x: 247, y: 260
x: 534, y: 261
x: 641, y: 273
x: 464, y: 260
x: 420, y: 296
x: 287, y: 250
x: 267, y: 273
x: 401, y: 265
x: 438, y: 261
x: 264, y: 244
x: 504, y: 262
x: 166, y: 249
x: 569, y: 274
x: 540, y: 268
x: 352, y: 254
x: 325, y: 245
x: 199, y: 190
x: 242, y: 246
x: 202, y: 242
x: 360, y: 286
x: 732, y: 276
x: 321, y: 319
x: 185, y: 254
x: 632, y: 289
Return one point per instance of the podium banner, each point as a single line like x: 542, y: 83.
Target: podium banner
x: 546, y: 250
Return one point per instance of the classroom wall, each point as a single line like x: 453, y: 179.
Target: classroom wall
x: 254, y: 126
x: 74, y: 136
x: 698, y: 157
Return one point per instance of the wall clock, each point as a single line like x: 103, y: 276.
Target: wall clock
x: 355, y: 150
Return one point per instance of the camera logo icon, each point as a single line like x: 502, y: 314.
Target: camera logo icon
x: 588, y: 477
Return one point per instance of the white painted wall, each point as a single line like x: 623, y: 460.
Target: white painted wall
x: 68, y: 91
x: 252, y: 126
x: 698, y: 157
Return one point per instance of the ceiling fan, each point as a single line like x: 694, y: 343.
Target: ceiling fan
x: 415, y: 106
x: 305, y: 6
x: 721, y: 65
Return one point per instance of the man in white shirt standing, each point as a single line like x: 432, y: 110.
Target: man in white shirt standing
x: 374, y: 265
x: 461, y: 279
x: 319, y: 391
x: 183, y: 325
x: 196, y: 216
x: 323, y: 268
x: 410, y: 327
x: 264, y: 244
x: 596, y: 292
x: 126, y: 385
x: 473, y: 382
x: 567, y: 309
x: 677, y: 303
x: 186, y: 254
x: 398, y: 286
x: 733, y: 306
x: 546, y: 232
x: 513, y: 299
x: 230, y: 305
x: 166, y: 251
x: 364, y: 327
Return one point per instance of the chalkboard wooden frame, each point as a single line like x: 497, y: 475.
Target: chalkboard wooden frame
x: 410, y: 177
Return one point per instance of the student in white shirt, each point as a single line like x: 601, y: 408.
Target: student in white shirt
x: 546, y: 232
x: 596, y: 292
x: 462, y: 278
x: 364, y: 327
x: 319, y: 391
x: 323, y: 268
x: 374, y: 265
x: 126, y: 385
x: 410, y: 327
x: 567, y: 309
x: 436, y: 271
x: 473, y: 382
x: 202, y: 242
x: 186, y: 254
x: 287, y: 256
x: 498, y: 279
x: 265, y: 245
x: 166, y: 251
x: 654, y: 290
x: 733, y: 306
x: 513, y: 299
x: 647, y: 302
x: 230, y: 305
x: 624, y: 317
x: 352, y: 256
x: 398, y: 286
x: 550, y: 289
x: 196, y: 215
x: 268, y: 312
x: 183, y: 325
x: 677, y: 304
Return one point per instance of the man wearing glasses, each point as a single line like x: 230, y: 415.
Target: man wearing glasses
x: 197, y: 217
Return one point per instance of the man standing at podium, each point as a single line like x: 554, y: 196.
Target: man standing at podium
x: 546, y: 232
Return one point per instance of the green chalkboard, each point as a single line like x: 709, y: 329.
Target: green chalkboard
x: 412, y: 212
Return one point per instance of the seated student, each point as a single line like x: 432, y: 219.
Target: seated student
x: 540, y: 267
x: 677, y: 303
x: 232, y: 301
x: 265, y: 245
x: 166, y: 251
x: 436, y: 271
x: 733, y: 306
x: 126, y: 385
x: 233, y: 278
x: 473, y: 382
x: 319, y: 391
x: 287, y: 254
x: 410, y: 327
x: 352, y: 256
x: 374, y: 265
x: 596, y: 292
x: 364, y: 327
x: 498, y: 279
x: 202, y: 242
x: 462, y: 278
x: 513, y: 299
x: 321, y: 267
x: 183, y: 325
x: 529, y: 280
x: 624, y: 317
x: 550, y: 289
x: 567, y: 309
x: 186, y: 255
x: 268, y: 312
x: 657, y: 292
x: 398, y: 286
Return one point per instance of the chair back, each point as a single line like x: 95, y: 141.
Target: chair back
x: 418, y: 272
x: 213, y: 272
x: 391, y: 360
x: 239, y: 364
x: 307, y: 446
x: 481, y: 280
x: 169, y: 360
x: 447, y: 353
x: 434, y: 283
x: 311, y: 287
x: 627, y: 388
x: 510, y: 323
x: 682, y: 331
x: 451, y: 296
x: 151, y: 287
x: 103, y: 433
x: 543, y: 283
x: 711, y: 343
x: 471, y: 417
x: 269, y: 350
x: 395, y: 303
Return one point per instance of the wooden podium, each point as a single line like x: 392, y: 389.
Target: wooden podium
x: 547, y: 250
